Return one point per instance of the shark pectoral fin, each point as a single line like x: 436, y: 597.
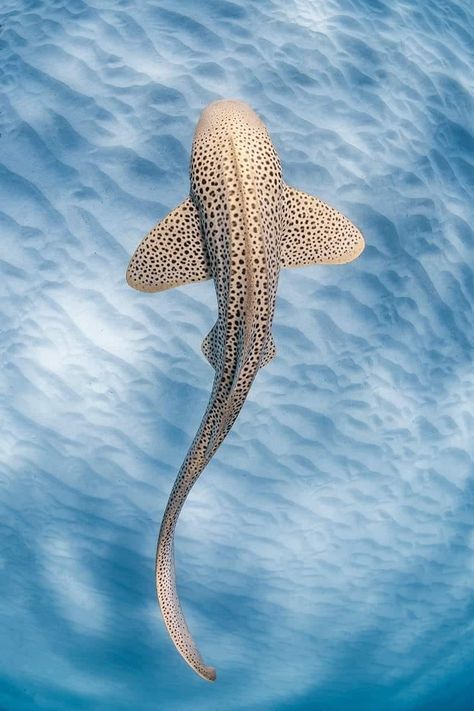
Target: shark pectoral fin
x: 315, y: 233
x: 209, y: 347
x: 172, y: 253
x: 269, y: 352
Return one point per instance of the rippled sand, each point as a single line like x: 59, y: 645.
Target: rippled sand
x: 326, y: 557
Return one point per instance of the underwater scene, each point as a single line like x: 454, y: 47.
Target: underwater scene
x: 325, y: 557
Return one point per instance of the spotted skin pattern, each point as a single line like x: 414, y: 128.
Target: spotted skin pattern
x: 240, y: 224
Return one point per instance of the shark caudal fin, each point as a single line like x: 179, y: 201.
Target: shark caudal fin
x: 172, y: 253
x: 171, y: 607
x: 315, y: 233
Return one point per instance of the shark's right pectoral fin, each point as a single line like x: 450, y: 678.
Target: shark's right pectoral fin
x: 172, y: 253
x: 315, y: 233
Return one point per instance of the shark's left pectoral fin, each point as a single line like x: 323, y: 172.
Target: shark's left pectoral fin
x: 315, y: 233
x: 172, y: 253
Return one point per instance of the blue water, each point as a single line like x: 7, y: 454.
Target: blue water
x: 326, y: 557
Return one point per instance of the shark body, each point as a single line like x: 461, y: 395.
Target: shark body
x: 239, y: 226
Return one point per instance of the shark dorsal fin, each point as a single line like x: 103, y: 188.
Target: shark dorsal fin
x: 315, y: 233
x: 172, y: 253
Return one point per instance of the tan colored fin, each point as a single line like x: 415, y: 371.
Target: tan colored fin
x: 209, y: 347
x: 315, y: 233
x: 269, y: 353
x: 172, y: 253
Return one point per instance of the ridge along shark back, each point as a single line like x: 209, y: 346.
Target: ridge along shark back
x: 240, y: 225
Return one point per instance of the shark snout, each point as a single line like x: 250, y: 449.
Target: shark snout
x: 224, y: 110
x: 226, y: 104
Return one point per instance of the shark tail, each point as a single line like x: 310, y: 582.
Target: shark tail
x: 200, y: 452
x: 167, y: 592
x: 209, y: 437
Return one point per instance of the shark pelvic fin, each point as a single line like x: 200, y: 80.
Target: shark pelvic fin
x: 209, y: 347
x: 315, y: 233
x: 269, y: 353
x: 172, y: 253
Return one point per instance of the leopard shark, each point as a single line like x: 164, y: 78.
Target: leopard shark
x: 239, y: 226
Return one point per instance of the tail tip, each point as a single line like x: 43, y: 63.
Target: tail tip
x: 209, y: 673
